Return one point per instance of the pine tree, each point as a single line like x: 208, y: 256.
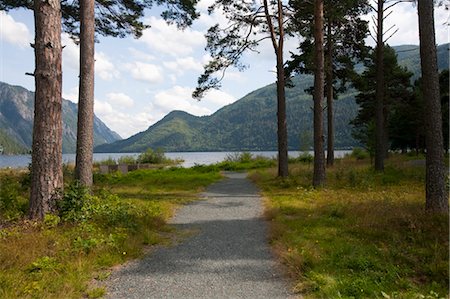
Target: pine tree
x: 319, y: 175
x: 397, y: 90
x: 343, y: 47
x: 47, y: 177
x: 249, y: 24
x: 436, y: 190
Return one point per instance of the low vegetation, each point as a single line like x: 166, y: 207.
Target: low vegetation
x: 59, y: 257
x: 365, y: 235
x: 148, y: 157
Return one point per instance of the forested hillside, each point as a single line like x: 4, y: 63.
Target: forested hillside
x: 16, y: 122
x: 250, y: 123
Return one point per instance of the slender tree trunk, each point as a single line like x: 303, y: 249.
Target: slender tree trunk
x: 330, y: 117
x: 281, y: 96
x: 85, y: 136
x: 436, y: 192
x: 281, y: 113
x: 319, y: 155
x: 379, y: 117
x: 46, y: 169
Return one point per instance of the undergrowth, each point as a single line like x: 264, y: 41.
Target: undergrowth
x: 365, y: 235
x: 59, y: 257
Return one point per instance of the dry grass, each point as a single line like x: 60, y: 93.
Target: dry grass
x: 59, y: 259
x: 365, y: 235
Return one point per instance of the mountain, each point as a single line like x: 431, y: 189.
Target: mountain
x: 250, y: 123
x: 16, y: 122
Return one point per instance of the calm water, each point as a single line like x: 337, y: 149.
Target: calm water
x: 190, y: 158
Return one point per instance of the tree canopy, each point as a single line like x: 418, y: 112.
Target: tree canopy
x: 117, y: 18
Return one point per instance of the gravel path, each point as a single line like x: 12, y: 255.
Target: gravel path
x: 228, y: 258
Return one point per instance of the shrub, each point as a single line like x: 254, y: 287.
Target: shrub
x: 243, y: 161
x: 243, y: 157
x: 73, y: 202
x: 77, y: 205
x: 152, y: 157
x: 359, y: 153
x: 109, y: 161
x: 305, y: 157
x: 12, y: 205
x: 127, y: 160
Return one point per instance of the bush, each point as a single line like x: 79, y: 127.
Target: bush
x: 243, y: 161
x: 109, y: 161
x: 127, y: 160
x: 359, y: 153
x: 12, y: 204
x: 73, y: 203
x: 243, y: 157
x: 305, y: 157
x: 152, y: 157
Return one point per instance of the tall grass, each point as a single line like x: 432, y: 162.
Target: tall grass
x: 61, y: 256
x: 365, y: 235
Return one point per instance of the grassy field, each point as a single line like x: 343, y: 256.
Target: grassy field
x: 62, y: 256
x: 365, y: 235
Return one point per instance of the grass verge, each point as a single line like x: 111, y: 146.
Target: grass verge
x: 365, y: 235
x: 58, y: 257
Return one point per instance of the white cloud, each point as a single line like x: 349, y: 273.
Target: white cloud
x: 104, y: 68
x: 71, y: 53
x: 125, y: 123
x: 71, y: 95
x: 179, y: 98
x: 168, y: 39
x: 203, y: 5
x: 13, y: 32
x: 404, y: 17
x: 207, y: 20
x: 145, y: 72
x: 181, y: 65
x: 219, y: 98
x: 120, y: 99
x: 102, y: 108
x: 139, y: 55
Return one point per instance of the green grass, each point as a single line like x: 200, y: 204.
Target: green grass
x: 365, y: 235
x: 62, y: 256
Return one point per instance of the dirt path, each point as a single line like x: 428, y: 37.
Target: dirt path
x: 228, y: 258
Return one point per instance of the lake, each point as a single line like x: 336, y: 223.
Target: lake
x: 190, y: 158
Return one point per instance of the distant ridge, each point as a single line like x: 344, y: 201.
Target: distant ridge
x: 250, y: 123
x: 16, y: 122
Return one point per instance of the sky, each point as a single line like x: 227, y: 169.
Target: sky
x: 139, y: 81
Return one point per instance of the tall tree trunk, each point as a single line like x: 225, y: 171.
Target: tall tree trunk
x: 46, y: 169
x: 85, y: 136
x: 379, y: 117
x: 281, y: 95
x: 436, y: 192
x: 281, y: 113
x: 319, y: 155
x: 329, y: 79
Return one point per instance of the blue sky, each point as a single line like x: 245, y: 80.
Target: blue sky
x: 140, y: 81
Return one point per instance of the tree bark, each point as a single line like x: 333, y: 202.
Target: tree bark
x: 46, y: 169
x: 329, y: 79
x: 319, y: 155
x: 379, y: 115
x: 85, y: 125
x: 281, y: 94
x: 436, y: 191
x: 281, y: 115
